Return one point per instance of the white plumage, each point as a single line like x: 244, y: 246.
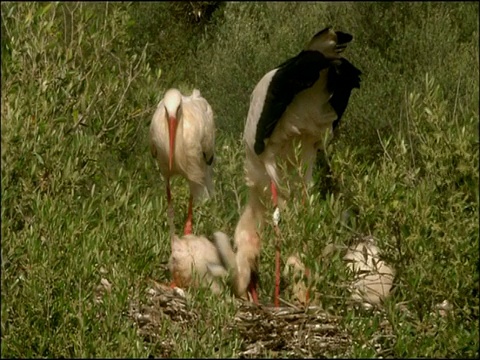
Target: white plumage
x: 373, y: 276
x: 195, y: 261
x: 182, y: 140
x: 306, y: 120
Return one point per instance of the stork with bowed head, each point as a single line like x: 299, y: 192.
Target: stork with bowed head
x: 300, y: 101
x: 182, y: 140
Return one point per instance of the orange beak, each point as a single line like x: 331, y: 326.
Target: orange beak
x: 172, y: 130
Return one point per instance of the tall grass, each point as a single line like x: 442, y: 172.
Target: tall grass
x: 82, y: 199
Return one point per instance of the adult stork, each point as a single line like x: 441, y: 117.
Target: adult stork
x: 300, y: 101
x: 182, y: 140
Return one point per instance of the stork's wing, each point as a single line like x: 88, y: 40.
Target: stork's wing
x: 157, y: 118
x: 199, y: 111
x: 291, y: 77
x: 342, y: 79
x: 208, y: 140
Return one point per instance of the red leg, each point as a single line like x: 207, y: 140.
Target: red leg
x: 276, y: 296
x: 170, y: 211
x: 252, y: 288
x: 170, y: 216
x: 188, y: 224
x: 274, y: 193
x: 169, y: 194
x: 307, y: 295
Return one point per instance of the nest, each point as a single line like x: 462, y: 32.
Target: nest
x: 290, y: 331
x: 287, y: 331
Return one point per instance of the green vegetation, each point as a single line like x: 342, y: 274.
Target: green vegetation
x: 82, y: 199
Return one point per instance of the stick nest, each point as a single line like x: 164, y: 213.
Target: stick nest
x: 266, y: 331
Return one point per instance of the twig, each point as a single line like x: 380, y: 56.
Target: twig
x: 383, y: 147
x: 456, y: 101
x: 122, y: 98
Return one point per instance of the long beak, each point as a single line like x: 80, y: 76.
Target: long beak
x: 342, y: 40
x: 172, y: 130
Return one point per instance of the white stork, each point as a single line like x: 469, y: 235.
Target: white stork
x: 182, y: 140
x: 300, y: 101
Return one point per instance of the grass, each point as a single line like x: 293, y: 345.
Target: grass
x: 82, y: 199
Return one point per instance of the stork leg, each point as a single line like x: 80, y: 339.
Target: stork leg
x: 170, y: 211
x: 276, y: 296
x: 252, y: 287
x: 188, y: 224
x: 169, y: 194
x: 307, y: 293
x: 170, y: 216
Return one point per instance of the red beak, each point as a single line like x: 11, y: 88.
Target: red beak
x: 172, y: 130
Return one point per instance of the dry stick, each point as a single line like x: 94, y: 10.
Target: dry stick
x: 289, y: 304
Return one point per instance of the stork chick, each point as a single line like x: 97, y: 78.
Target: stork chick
x: 298, y: 277
x: 196, y: 262
x: 373, y: 276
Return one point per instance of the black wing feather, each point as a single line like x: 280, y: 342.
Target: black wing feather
x: 293, y: 76
x: 342, y: 79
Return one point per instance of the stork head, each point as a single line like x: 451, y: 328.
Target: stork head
x: 329, y: 42
x: 173, y: 108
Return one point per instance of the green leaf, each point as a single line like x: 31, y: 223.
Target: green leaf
x: 43, y: 10
x: 39, y: 158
